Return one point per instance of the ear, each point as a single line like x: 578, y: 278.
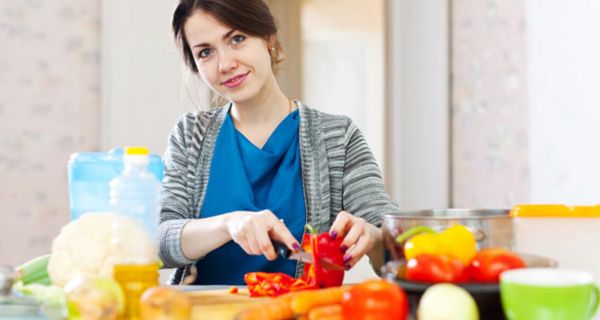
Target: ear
x: 271, y: 41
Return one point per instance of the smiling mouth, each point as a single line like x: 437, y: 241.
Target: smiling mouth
x: 236, y: 80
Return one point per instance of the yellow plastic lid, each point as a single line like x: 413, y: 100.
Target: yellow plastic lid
x: 136, y: 151
x: 554, y: 211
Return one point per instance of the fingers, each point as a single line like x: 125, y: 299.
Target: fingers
x: 354, y: 240
x: 360, y: 248
x: 243, y: 231
x: 341, y: 224
x: 264, y: 245
x: 358, y: 237
x: 256, y: 231
x: 356, y: 230
x: 281, y: 233
x: 245, y: 239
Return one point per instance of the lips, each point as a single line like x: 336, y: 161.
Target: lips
x: 235, y: 81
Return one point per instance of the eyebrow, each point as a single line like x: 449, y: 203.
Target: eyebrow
x: 225, y: 36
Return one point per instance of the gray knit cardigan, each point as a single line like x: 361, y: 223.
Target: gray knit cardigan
x: 339, y: 172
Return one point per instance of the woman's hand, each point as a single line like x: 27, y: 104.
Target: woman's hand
x: 359, y: 236
x: 253, y: 231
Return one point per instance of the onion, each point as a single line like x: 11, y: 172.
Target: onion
x: 447, y: 301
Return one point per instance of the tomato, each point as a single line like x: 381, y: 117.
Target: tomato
x: 436, y: 268
x: 488, y: 264
x: 375, y: 300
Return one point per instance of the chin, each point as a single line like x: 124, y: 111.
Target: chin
x: 241, y: 95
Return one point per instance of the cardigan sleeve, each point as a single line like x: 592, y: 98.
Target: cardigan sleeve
x: 363, y: 192
x: 175, y: 200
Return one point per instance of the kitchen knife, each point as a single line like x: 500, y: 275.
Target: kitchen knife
x: 303, y: 256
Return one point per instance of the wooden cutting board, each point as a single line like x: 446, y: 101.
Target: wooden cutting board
x: 219, y: 304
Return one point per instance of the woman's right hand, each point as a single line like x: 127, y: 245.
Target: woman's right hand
x: 253, y: 231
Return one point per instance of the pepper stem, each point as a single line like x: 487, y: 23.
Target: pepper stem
x: 413, y: 231
x: 310, y: 229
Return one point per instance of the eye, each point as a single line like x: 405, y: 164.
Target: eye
x: 204, y: 53
x: 237, y: 39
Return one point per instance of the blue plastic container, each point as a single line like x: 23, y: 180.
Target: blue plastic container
x: 90, y: 174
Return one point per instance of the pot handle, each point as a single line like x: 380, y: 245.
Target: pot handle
x: 480, y: 235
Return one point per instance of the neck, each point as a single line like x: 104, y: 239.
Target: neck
x: 269, y: 106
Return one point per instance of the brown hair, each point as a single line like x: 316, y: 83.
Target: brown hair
x: 252, y: 17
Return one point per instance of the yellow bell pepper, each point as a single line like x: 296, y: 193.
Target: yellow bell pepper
x: 459, y: 242
x: 422, y: 243
x: 456, y: 241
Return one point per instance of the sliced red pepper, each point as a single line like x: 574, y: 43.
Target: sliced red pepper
x: 321, y: 247
x: 270, y: 284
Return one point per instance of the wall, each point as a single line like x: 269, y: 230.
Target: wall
x: 525, y: 103
x: 563, y: 101
x: 49, y: 106
x: 417, y: 89
x: 489, y: 137
x: 142, y: 75
x: 343, y: 63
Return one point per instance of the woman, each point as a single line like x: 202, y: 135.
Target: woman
x: 262, y: 166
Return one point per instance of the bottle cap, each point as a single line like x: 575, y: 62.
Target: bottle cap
x: 143, y: 151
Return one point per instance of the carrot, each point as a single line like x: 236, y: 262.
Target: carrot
x: 338, y: 316
x: 271, y: 309
x: 328, y: 312
x: 304, y: 301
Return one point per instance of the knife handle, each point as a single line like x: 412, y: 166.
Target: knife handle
x: 281, y: 249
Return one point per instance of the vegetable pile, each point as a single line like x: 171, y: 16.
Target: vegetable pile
x: 373, y: 299
x: 452, y: 256
x: 78, y: 276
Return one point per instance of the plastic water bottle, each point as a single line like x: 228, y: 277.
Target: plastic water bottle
x: 135, y: 198
x: 90, y: 174
x: 135, y: 193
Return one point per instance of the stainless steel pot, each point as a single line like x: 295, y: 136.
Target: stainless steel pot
x: 492, y: 227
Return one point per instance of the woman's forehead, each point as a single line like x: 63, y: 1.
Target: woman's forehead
x: 202, y: 27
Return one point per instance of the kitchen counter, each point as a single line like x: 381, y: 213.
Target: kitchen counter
x: 215, y: 302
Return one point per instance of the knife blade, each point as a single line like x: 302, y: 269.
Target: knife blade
x: 303, y: 256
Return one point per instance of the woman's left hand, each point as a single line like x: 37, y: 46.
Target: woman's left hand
x: 359, y: 236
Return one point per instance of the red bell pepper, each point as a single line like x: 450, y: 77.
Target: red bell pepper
x: 322, y: 247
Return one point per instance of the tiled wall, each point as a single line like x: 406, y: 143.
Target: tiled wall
x: 49, y: 108
x: 489, y: 105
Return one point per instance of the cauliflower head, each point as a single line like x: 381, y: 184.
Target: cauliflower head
x: 94, y: 243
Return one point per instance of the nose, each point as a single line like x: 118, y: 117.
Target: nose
x: 227, y: 62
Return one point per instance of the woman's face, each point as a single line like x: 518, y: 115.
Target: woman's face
x: 235, y: 65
